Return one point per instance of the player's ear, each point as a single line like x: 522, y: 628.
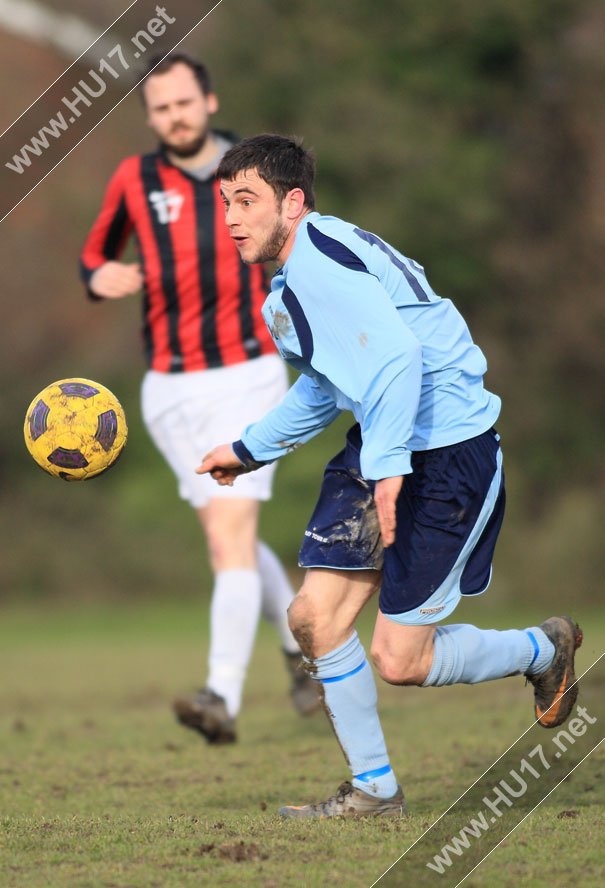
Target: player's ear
x: 212, y: 103
x: 294, y: 203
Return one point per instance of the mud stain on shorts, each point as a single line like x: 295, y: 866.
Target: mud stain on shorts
x: 361, y: 530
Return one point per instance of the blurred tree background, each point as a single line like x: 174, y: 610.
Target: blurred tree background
x: 469, y: 134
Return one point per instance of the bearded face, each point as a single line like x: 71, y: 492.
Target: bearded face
x: 178, y: 111
x: 183, y: 141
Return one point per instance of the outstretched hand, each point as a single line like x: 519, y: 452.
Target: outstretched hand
x: 386, y: 492
x: 222, y: 464
x: 115, y: 280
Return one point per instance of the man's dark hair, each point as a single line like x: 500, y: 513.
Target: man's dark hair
x: 281, y: 162
x: 161, y: 65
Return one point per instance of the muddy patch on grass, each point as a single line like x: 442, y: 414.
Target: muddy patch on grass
x: 237, y: 852
x: 240, y: 851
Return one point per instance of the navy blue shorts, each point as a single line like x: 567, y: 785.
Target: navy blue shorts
x: 449, y: 514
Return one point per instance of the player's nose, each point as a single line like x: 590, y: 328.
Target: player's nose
x: 230, y: 216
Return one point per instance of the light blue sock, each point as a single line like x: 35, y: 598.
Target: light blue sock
x: 468, y: 655
x: 351, y: 701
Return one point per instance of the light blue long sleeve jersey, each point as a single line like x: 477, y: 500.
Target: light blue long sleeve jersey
x: 368, y: 334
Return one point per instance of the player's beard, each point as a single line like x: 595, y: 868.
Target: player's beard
x: 270, y: 249
x: 186, y: 149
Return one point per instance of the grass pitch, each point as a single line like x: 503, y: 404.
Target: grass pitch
x: 100, y: 788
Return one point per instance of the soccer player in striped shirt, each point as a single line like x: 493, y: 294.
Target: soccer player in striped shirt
x: 212, y: 365
x: 413, y: 503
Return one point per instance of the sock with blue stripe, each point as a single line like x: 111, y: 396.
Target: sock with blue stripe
x: 351, y: 702
x: 469, y: 655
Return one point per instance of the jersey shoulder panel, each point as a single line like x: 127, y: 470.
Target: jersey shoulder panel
x: 129, y: 166
x: 322, y: 257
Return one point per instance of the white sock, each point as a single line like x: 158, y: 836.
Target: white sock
x: 234, y: 613
x: 277, y: 594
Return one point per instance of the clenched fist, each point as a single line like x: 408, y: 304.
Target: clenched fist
x: 114, y: 280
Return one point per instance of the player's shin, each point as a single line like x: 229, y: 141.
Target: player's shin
x: 350, y: 699
x: 234, y: 613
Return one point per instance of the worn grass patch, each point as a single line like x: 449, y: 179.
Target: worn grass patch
x: 99, y: 787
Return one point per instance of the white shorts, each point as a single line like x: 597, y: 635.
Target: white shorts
x: 187, y: 414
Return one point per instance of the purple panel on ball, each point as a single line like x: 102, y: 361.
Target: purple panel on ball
x: 65, y: 476
x: 67, y: 459
x: 107, y: 429
x: 37, y: 420
x: 78, y: 389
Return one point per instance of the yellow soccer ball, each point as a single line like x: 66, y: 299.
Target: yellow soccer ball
x: 75, y: 429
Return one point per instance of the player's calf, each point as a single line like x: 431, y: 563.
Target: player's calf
x: 402, y: 654
x: 398, y: 672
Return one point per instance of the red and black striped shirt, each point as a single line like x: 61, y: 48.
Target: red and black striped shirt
x: 202, y: 304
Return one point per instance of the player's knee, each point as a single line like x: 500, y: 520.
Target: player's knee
x: 294, y: 615
x: 398, y: 670
x: 301, y: 622
x: 311, y: 624
x: 226, y: 552
x: 220, y: 554
x: 216, y: 550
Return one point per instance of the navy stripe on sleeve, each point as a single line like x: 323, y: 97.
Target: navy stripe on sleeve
x: 301, y: 324
x: 334, y: 249
x: 375, y: 241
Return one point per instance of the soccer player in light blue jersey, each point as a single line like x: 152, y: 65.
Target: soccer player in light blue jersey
x: 413, y: 503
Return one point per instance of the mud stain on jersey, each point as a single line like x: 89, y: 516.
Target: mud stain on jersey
x: 289, y: 446
x: 280, y: 324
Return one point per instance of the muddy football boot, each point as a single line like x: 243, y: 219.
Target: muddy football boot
x: 304, y: 691
x: 350, y: 802
x: 554, y: 696
x: 206, y: 713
